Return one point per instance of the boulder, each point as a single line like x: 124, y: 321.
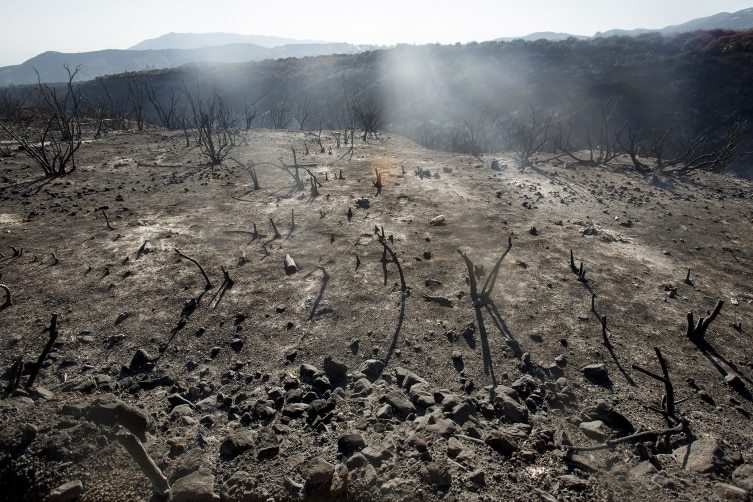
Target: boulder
x: 195, y: 487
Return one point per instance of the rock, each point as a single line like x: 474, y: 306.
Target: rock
x: 71, y: 490
x: 437, y: 220
x: 643, y: 470
x: 190, y: 462
x: 743, y: 476
x: 702, y: 455
x: 495, y: 165
x: 510, y: 409
x: 463, y: 412
x: 362, y: 477
x: 609, y: 415
x: 372, y: 368
x: 436, y: 474
x: 442, y: 427
x: 236, y: 443
x: 195, y: 487
x: 362, y: 387
x: 375, y: 454
x: 572, y: 482
x: 501, y: 443
x: 268, y: 447
x: 338, y: 488
x: 597, y: 374
x: 384, y: 412
x: 350, y: 443
x: 307, y: 372
x: 730, y: 492
x: 525, y: 385
x: 581, y: 462
x: 140, y: 360
x: 400, y: 403
x: 407, y: 379
x: 120, y: 413
x: 317, y: 475
x: 594, y: 430
x: 477, y: 477
x: 734, y: 381
x: 236, y: 344
x: 336, y: 371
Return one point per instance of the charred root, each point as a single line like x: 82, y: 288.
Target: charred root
x: 697, y: 330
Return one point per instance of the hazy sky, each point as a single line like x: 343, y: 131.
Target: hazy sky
x: 33, y: 26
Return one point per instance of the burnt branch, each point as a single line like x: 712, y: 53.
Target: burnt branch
x: 134, y: 447
x: 53, y: 331
x: 8, y: 301
x: 201, y: 269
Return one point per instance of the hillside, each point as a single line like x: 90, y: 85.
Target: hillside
x: 108, y: 62
x: 332, y: 381
x: 468, y: 98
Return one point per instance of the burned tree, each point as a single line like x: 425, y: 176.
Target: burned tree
x: 528, y: 135
x: 59, y: 110
x: 215, y: 130
x: 279, y: 115
x: 368, y: 116
x: 166, y: 109
x: 136, y: 97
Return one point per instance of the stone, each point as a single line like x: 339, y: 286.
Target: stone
x: 362, y: 387
x: 71, y: 490
x: 731, y: 492
x: 510, y: 409
x: 400, y: 403
x: 338, y: 488
x: 140, y: 360
x: 375, y: 454
x: 437, y: 220
x: 307, y: 372
x: 317, y: 475
x: 644, y: 470
x: 442, y: 427
x: 195, y: 487
x: 119, y: 413
x: 743, y: 476
x: 702, y: 456
x: 268, y: 447
x: 350, y: 443
x: 372, y: 368
x: 501, y: 443
x: 384, y: 412
x: 336, y: 371
x: 190, y: 462
x: 237, y: 442
x: 609, y: 415
x: 436, y: 474
x: 463, y: 412
x: 594, y: 429
x: 477, y: 477
x: 407, y: 379
x: 572, y: 482
x: 597, y: 374
x: 236, y: 344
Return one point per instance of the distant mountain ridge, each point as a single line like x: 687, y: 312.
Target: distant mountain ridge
x: 112, y: 61
x: 198, y: 40
x: 176, y: 49
x: 737, y: 21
